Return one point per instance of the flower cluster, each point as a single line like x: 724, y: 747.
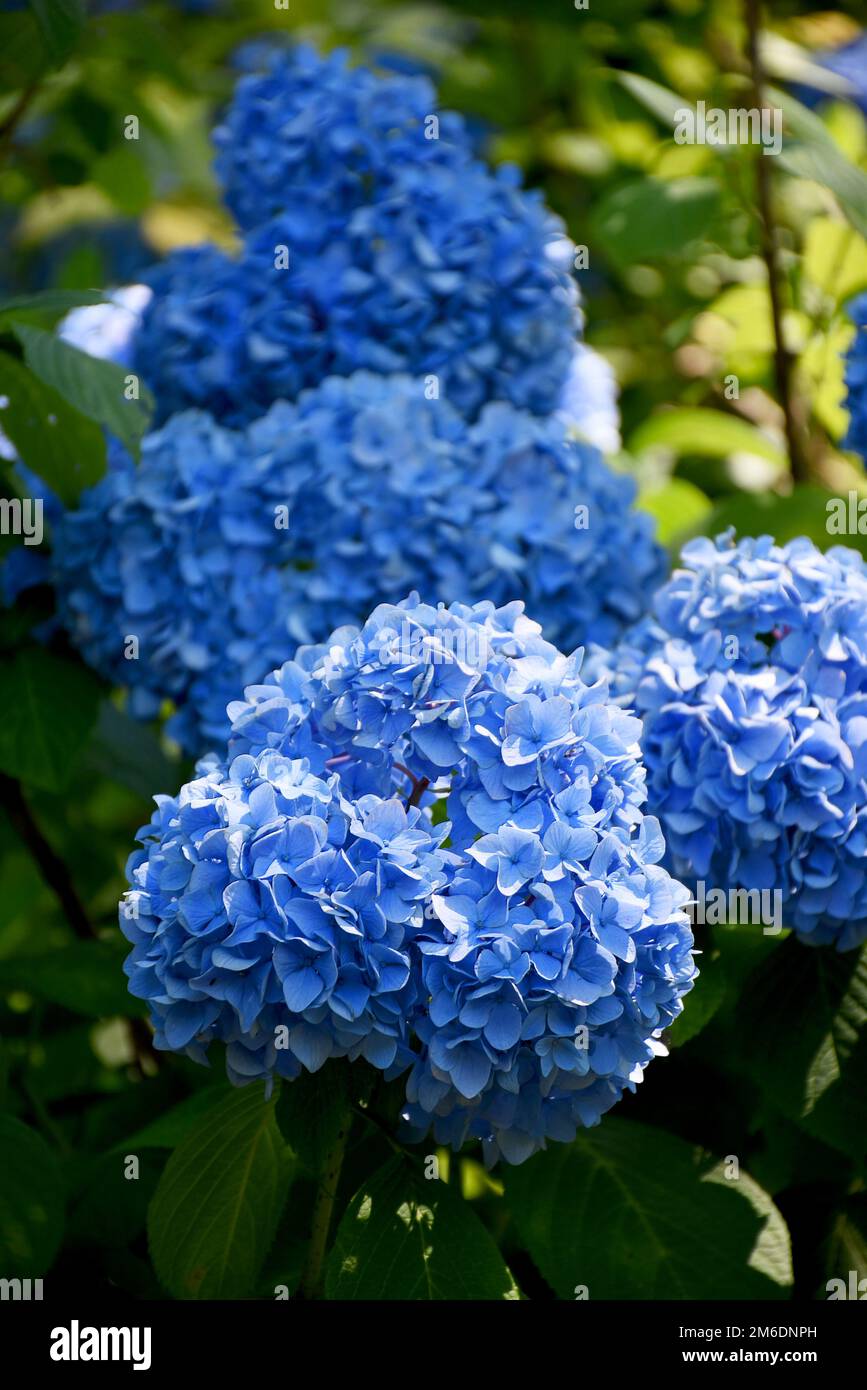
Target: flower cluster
x: 751, y: 679
x: 371, y: 237
x: 312, y: 133
x: 462, y: 279
x: 223, y: 549
x: 856, y: 381
x: 295, y: 903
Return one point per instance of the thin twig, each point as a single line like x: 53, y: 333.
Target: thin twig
x: 51, y: 866
x: 17, y: 111
x: 57, y: 877
x: 782, y: 356
x: 419, y: 785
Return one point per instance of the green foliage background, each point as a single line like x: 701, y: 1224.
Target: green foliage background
x: 767, y: 1076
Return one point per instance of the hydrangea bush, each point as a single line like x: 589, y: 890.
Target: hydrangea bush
x: 750, y: 675
x: 223, y: 549
x: 304, y: 899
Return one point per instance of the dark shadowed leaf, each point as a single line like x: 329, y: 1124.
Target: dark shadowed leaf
x: 632, y: 1212
x: 49, y: 706
x: 803, y: 1027
x: 403, y: 1237
x: 218, y: 1203
x: 31, y: 1201
x: 86, y: 977
x: 60, y: 23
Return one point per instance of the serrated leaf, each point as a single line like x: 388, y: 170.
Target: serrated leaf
x: 63, y: 448
x: 91, y: 385
x: 632, y: 1212
x: 60, y: 23
x: 403, y: 1237
x: 803, y: 1022
x: 49, y: 707
x: 218, y: 1203
x: 85, y: 977
x: 31, y: 1201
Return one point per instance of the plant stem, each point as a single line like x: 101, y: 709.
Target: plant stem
x: 58, y: 878
x: 18, y: 111
x: 51, y: 866
x: 323, y: 1208
x: 782, y: 356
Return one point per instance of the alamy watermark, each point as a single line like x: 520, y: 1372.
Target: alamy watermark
x: 703, y: 125
x: 22, y: 518
x: 410, y: 645
x: 715, y: 907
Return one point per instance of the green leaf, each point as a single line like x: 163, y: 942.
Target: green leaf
x: 31, y: 1202
x: 49, y: 707
x: 835, y: 258
x: 816, y: 155
x: 86, y: 977
x: 803, y: 1026
x: 711, y: 433
x: 802, y: 513
x: 60, y: 22
x: 63, y: 448
x: 168, y: 1130
x: 50, y: 305
x: 678, y: 506
x: 122, y: 173
x: 847, y: 1244
x: 22, y: 55
x: 702, y: 1002
x: 632, y: 1212
x: 312, y: 1111
x: 109, y: 1208
x: 403, y: 1237
x: 661, y: 101
x: 93, y: 386
x: 651, y: 218
x: 215, y: 1211
x: 130, y: 753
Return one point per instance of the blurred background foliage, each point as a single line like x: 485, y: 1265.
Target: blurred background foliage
x: 676, y: 298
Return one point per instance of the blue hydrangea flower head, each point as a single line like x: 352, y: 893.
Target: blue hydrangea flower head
x: 269, y: 911
x: 555, y: 950
x: 454, y: 277
x: 307, y: 131
x: 856, y: 380
x: 751, y: 678
x: 169, y: 575
x: 379, y: 489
